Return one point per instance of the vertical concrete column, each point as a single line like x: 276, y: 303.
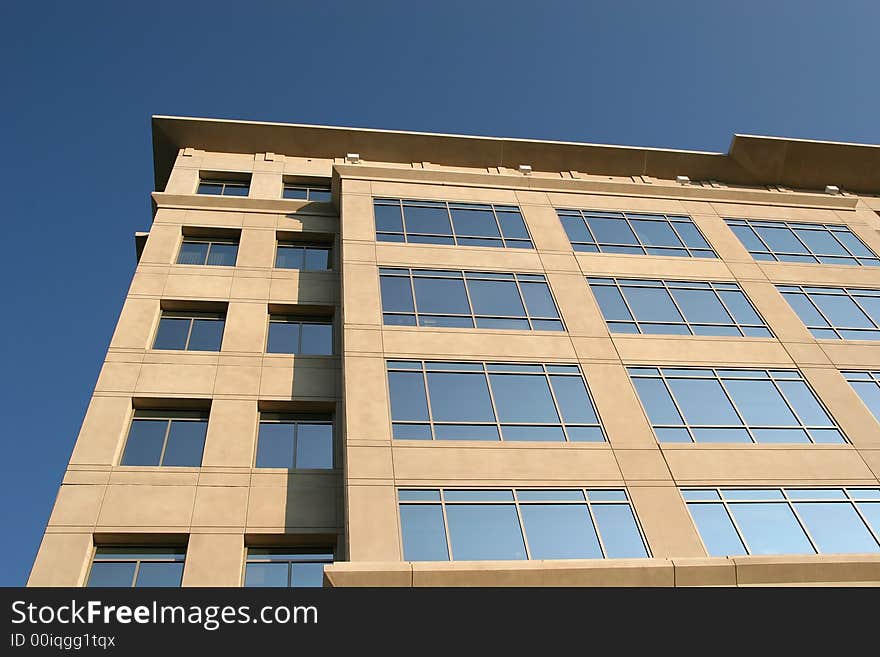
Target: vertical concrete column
x: 214, y: 560
x: 62, y: 560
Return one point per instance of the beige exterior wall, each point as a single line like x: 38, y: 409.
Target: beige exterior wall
x: 219, y: 509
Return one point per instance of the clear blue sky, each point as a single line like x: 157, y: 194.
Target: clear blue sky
x: 81, y: 79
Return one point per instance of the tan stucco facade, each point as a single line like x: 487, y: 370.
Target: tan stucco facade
x: 226, y: 505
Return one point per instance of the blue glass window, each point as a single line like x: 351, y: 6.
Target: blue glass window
x: 836, y: 313
x: 494, y: 300
x: 455, y: 524
x: 676, y: 307
x: 304, y: 192
x: 786, y: 521
x: 300, y: 335
x: 785, y: 241
x: 442, y: 222
x: 287, y: 568
x: 167, y: 438
x: 190, y: 331
x: 867, y: 385
x: 303, y: 255
x: 732, y: 405
x: 594, y: 231
x: 219, y: 252
x: 299, y: 442
x: 137, y: 566
x: 491, y: 401
x: 219, y: 187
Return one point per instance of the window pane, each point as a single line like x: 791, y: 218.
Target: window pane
x: 186, y: 442
x: 739, y: 305
x: 223, y: 254
x: 275, y: 445
x: 576, y: 229
x: 320, y: 195
x: 307, y: 575
x: 396, y: 294
x: 748, y: 238
x: 512, y: 225
x: 805, y: 310
x: 651, y: 304
x: 691, y: 236
x: 656, y: 233
x: 145, y: 440
x: 192, y: 253
x: 235, y: 190
x: 821, y: 241
x: 317, y: 259
x: 560, y: 531
x: 298, y: 193
x: 701, y: 306
x: 841, y: 311
x: 611, y: 303
x: 574, y: 402
x: 317, y: 339
x: 870, y: 394
x: 480, y: 532
x: 703, y: 401
x: 427, y: 220
x: 388, y: 218
x: 805, y: 403
x: 523, y: 398
x: 206, y: 335
x: 475, y: 222
x: 111, y: 574
x: 716, y: 530
x: 496, y: 298
x: 620, y: 535
x: 538, y: 300
x: 289, y: 257
x: 657, y: 402
x: 781, y: 240
x: 283, y: 338
x: 612, y: 231
x: 314, y: 446
x: 459, y: 397
x: 172, y: 333
x: 266, y: 575
x: 424, y: 535
x: 407, y: 391
x: 210, y: 188
x: 854, y: 244
x: 760, y: 403
x: 439, y: 295
x: 871, y: 512
x: 159, y: 574
x: 770, y: 528
x: 836, y: 527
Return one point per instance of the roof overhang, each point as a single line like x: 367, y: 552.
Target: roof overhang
x: 750, y: 160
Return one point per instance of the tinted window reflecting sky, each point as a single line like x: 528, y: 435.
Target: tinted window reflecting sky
x: 82, y: 79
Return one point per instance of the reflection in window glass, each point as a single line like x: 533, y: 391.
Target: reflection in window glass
x: 441, y: 222
x: 190, y: 331
x: 303, y: 255
x: 731, y: 405
x: 867, y: 385
x: 785, y: 521
x: 491, y: 401
x: 836, y: 313
x: 634, y: 233
x: 677, y: 307
x: 785, y: 241
x: 517, y: 525
x: 286, y: 567
x: 301, y: 442
x: 167, y: 438
x: 295, y: 335
x: 137, y: 566
x: 196, y: 251
x: 458, y: 299
x: 218, y: 187
x: 303, y: 192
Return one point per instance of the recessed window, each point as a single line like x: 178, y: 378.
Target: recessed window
x: 504, y: 524
x: 599, y: 231
x: 286, y: 567
x: 492, y: 300
x: 836, y: 313
x: 491, y: 401
x: 442, y: 222
x: 677, y: 308
x: 305, y: 192
x: 734, y: 521
x: 204, y: 251
x: 867, y: 385
x: 166, y: 438
x: 137, y: 566
x: 308, y: 256
x: 190, y: 331
x: 224, y: 186
x: 291, y: 334
x: 785, y: 241
x: 295, y: 442
x: 732, y: 406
